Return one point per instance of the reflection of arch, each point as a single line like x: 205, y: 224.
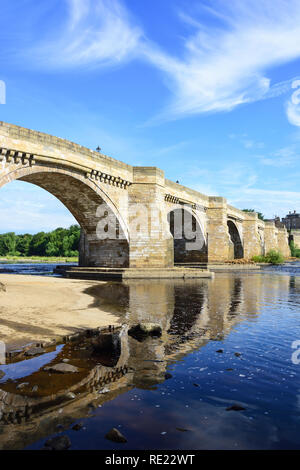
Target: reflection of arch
x: 238, y: 251
x: 184, y: 222
x: 82, y: 198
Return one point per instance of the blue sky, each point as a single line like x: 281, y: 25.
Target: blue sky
x: 205, y: 90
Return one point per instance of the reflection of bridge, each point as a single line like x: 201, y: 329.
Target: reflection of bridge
x: 138, y: 201
x: 190, y: 314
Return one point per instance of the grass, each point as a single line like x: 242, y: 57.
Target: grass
x: 273, y: 257
x: 39, y: 259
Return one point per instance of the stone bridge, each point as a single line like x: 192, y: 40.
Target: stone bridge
x: 138, y: 202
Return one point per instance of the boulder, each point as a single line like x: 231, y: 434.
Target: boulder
x: 115, y: 436
x: 34, y: 351
x: 58, y: 443
x: 62, y: 368
x: 142, y: 330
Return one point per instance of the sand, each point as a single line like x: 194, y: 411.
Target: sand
x: 36, y: 308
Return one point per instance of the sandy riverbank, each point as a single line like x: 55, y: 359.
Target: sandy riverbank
x: 36, y: 308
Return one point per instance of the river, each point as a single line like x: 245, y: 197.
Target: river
x: 227, y: 342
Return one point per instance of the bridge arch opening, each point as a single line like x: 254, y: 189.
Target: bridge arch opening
x: 104, y: 239
x: 189, y: 242
x: 235, y: 242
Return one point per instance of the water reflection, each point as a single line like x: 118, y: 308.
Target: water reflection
x: 193, y: 315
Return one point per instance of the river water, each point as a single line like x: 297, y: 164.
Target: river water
x: 225, y: 342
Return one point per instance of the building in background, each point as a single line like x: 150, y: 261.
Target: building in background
x: 292, y: 222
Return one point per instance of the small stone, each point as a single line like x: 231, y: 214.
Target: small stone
x: 62, y: 368
x: 35, y: 388
x: 115, y: 436
x: 168, y: 376
x: 58, y: 443
x: 71, y: 395
x: 196, y: 385
x: 220, y: 351
x: 2, y: 374
x: 66, y: 360
x: 2, y: 287
x: 229, y: 369
x: 77, y: 427
x: 235, y: 408
x: 22, y: 385
x: 237, y: 354
x: 34, y: 351
x: 181, y: 429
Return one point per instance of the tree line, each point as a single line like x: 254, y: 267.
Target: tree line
x: 60, y: 242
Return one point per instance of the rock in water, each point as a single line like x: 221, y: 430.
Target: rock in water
x: 235, y: 408
x: 115, y: 436
x: 2, y: 374
x: 58, y: 443
x: 34, y: 351
x: 62, y: 368
x: 142, y: 330
x: 2, y: 287
x: 77, y: 427
x: 151, y: 328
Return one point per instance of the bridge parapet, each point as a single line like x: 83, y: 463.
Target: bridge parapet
x: 57, y: 150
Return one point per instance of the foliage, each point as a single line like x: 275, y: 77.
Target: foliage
x: 60, y: 242
x: 259, y: 214
x: 273, y: 257
x: 295, y: 251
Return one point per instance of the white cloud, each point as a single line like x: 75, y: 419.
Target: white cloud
x: 226, y: 65
x: 227, y: 55
x: 97, y: 33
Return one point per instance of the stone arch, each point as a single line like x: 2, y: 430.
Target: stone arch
x: 83, y: 198
x: 184, y: 252
x: 237, y: 250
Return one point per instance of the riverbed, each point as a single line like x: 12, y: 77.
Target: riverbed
x: 223, y: 373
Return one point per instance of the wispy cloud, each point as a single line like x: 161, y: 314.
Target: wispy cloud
x: 96, y: 33
x: 227, y: 56
x: 286, y: 156
x: 226, y: 65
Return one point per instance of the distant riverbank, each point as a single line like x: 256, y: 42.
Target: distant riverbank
x: 39, y: 259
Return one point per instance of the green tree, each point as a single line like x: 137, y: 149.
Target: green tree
x: 259, y: 214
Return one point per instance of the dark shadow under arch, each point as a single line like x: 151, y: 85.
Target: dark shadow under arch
x: 238, y: 250
x: 182, y: 252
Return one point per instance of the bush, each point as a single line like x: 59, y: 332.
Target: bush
x: 295, y: 251
x: 273, y: 257
x: 259, y: 259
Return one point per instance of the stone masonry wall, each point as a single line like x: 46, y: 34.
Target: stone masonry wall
x: 138, y: 198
